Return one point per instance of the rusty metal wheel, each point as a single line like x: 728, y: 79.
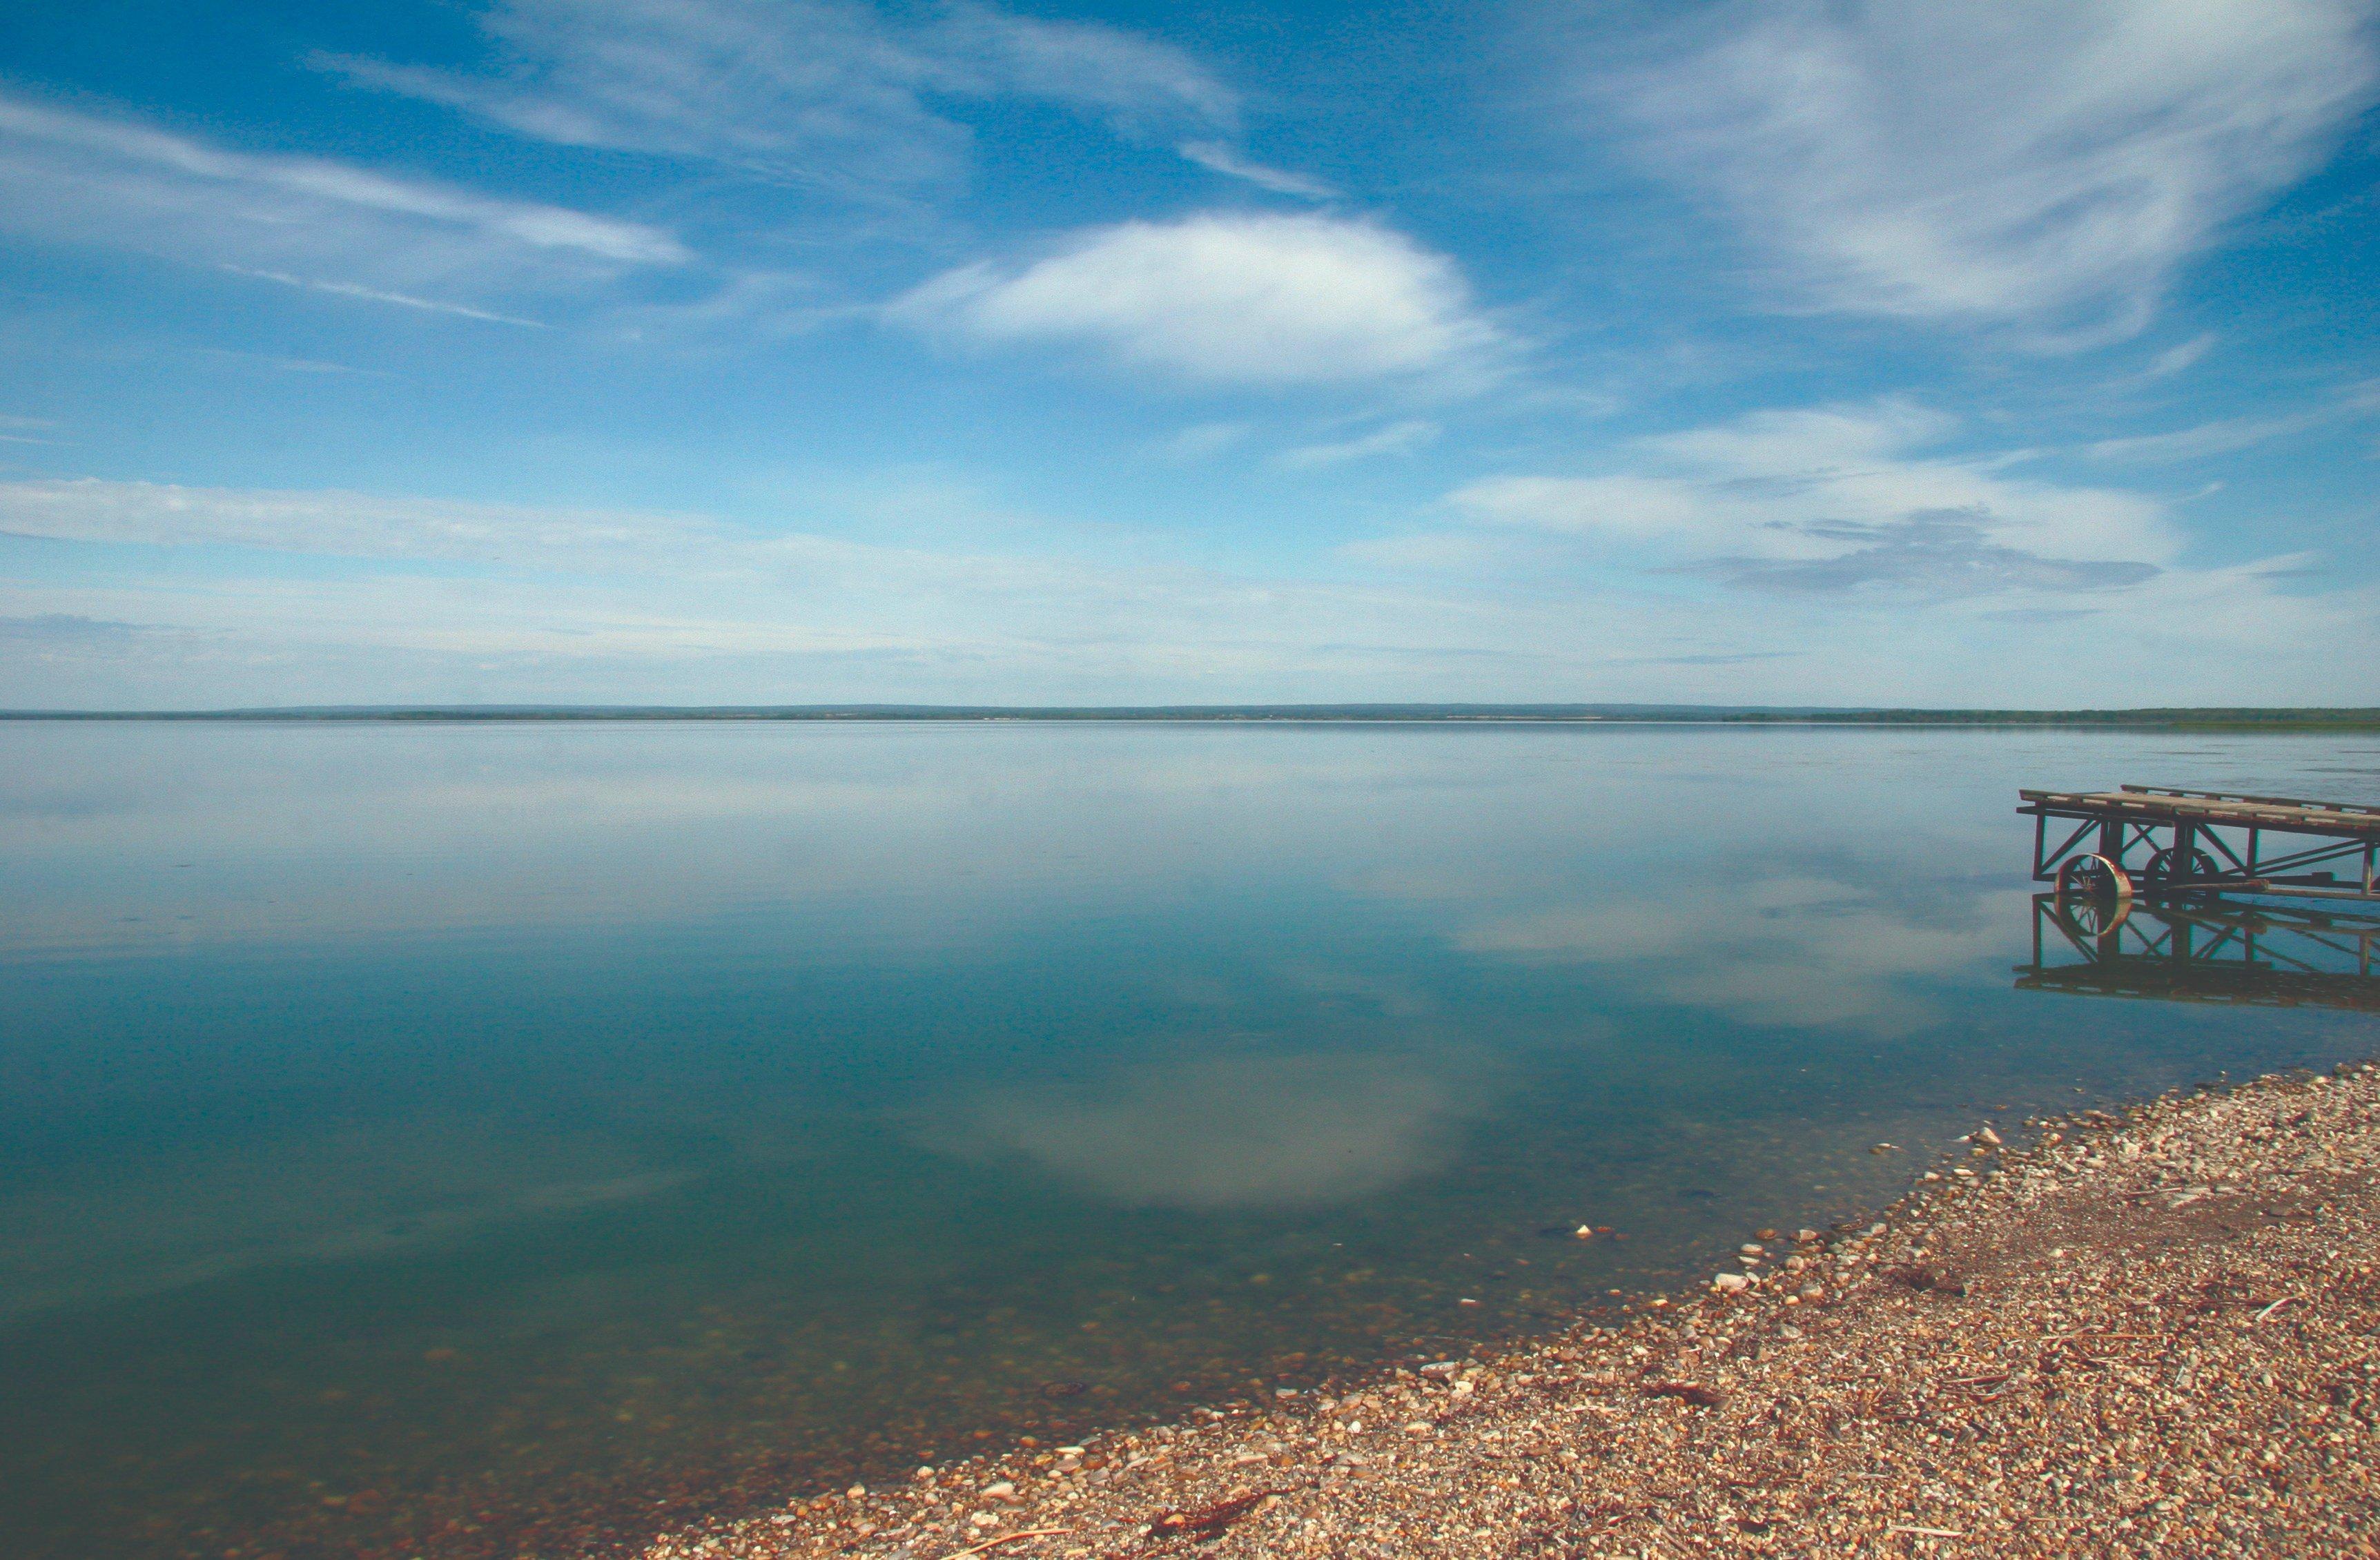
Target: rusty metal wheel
x: 2093, y: 894
x: 2165, y: 866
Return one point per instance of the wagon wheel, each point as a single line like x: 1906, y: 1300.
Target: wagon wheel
x: 2094, y: 895
x: 2161, y: 870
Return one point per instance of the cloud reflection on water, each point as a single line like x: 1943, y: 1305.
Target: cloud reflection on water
x: 1230, y: 1131
x: 1798, y: 951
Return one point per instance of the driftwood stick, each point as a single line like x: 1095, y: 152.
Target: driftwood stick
x: 1008, y: 1537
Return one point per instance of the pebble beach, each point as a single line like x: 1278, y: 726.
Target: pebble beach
x: 2147, y: 1332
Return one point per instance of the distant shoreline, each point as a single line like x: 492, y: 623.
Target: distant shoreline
x: 2172, y: 719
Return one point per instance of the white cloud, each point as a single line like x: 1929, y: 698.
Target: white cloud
x: 21, y: 430
x: 1221, y: 159
x: 442, y: 600
x: 1397, y: 438
x: 342, y: 524
x: 1138, y: 83
x: 375, y: 295
x: 74, y: 176
x: 2221, y: 436
x: 2182, y: 355
x: 2045, y: 163
x: 1222, y: 298
x: 822, y: 92
x: 1839, y: 498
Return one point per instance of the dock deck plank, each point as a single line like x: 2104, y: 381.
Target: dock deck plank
x: 2347, y: 820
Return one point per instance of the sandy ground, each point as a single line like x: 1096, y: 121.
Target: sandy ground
x: 2153, y: 1333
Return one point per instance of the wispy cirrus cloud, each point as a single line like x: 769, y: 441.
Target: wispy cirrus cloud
x: 2044, y: 165
x: 1225, y: 297
x: 1138, y: 84
x: 1221, y: 159
x: 376, y: 295
x: 827, y: 92
x: 306, y: 221
x: 2181, y: 356
x: 1396, y: 438
x: 339, y: 524
x: 2220, y: 436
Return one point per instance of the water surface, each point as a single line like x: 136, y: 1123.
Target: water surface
x: 487, y: 1141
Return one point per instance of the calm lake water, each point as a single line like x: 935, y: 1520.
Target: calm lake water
x: 499, y: 1140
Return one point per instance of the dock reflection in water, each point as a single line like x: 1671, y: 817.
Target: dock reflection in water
x: 2217, y: 951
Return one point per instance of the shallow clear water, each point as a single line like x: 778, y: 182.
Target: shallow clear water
x: 499, y: 1139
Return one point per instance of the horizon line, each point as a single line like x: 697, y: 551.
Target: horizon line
x: 1372, y: 710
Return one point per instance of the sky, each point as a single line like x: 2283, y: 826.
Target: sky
x: 821, y: 351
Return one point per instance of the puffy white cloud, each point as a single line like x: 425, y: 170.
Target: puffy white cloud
x: 76, y: 176
x: 2049, y: 164
x: 1225, y: 297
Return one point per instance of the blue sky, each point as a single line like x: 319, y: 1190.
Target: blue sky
x: 733, y: 351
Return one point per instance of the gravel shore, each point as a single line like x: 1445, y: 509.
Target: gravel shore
x: 2156, y: 1333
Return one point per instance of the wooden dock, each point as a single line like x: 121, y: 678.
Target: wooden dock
x: 2164, y: 843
